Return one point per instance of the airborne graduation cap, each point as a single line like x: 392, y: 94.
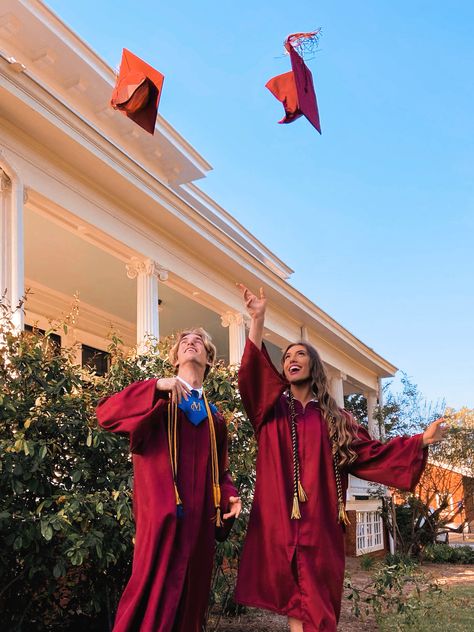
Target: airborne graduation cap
x: 137, y: 91
x: 295, y: 89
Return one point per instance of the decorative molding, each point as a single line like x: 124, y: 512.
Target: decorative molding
x: 235, y: 321
x: 232, y: 318
x: 5, y: 182
x: 148, y: 266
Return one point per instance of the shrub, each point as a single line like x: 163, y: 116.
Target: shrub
x: 444, y: 554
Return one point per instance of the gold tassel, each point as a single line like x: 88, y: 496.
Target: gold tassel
x: 301, y: 493
x: 342, y: 515
x: 219, y: 522
x: 295, y: 514
x: 177, y: 496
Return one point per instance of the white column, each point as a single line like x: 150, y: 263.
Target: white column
x: 336, y: 386
x: 371, y: 398
x: 12, y: 244
x: 147, y: 273
x: 304, y: 333
x: 236, y: 324
x: 381, y: 426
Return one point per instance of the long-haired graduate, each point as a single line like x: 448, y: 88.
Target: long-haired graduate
x: 293, y: 557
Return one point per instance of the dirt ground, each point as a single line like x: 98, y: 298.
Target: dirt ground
x: 261, y: 621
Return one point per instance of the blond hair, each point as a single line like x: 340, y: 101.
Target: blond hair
x: 206, y: 340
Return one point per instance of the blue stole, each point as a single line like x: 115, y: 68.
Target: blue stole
x: 194, y: 408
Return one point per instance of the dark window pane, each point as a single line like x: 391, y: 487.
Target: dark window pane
x: 55, y: 339
x: 95, y: 359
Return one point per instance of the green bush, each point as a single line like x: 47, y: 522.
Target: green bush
x: 444, y: 554
x: 66, y: 523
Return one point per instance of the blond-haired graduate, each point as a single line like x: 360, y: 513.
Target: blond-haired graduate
x: 293, y: 557
x: 183, y: 493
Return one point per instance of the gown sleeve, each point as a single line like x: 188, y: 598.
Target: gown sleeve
x: 398, y: 463
x: 260, y: 384
x: 130, y: 411
x: 227, y: 486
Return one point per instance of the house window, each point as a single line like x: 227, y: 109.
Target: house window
x: 95, y: 359
x: 55, y: 339
x: 369, y: 532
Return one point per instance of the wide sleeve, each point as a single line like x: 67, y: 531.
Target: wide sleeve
x: 226, y: 483
x: 260, y: 384
x: 129, y: 412
x: 398, y: 463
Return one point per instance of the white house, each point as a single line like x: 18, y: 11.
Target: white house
x: 90, y: 204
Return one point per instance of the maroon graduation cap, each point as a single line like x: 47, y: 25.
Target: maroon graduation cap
x: 295, y: 89
x: 137, y: 91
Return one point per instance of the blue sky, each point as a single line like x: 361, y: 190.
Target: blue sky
x: 376, y: 215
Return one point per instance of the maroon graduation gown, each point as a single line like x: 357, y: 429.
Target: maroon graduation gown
x: 173, y: 558
x: 296, y: 567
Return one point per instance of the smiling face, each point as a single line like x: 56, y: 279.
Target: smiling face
x: 191, y: 349
x: 297, y: 364
x: 193, y: 346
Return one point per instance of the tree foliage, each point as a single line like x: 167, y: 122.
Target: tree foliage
x: 403, y: 412
x: 420, y: 517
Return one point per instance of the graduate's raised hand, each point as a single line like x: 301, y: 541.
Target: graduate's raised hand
x: 435, y: 432
x: 256, y: 305
x: 235, y: 507
x: 174, y: 387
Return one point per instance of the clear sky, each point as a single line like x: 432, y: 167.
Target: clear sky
x: 376, y: 215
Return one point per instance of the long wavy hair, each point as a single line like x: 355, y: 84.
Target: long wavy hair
x: 341, y: 427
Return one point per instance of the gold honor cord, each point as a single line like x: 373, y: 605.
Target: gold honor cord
x: 216, y: 488
x: 299, y: 494
x: 173, y: 449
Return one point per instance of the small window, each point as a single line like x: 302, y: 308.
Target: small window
x: 54, y: 338
x: 95, y: 359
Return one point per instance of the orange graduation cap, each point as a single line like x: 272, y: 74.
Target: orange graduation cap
x: 295, y: 89
x: 137, y: 91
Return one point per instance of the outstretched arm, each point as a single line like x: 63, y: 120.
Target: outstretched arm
x: 256, y: 306
x: 399, y: 462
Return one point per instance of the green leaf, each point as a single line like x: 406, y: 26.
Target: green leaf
x: 46, y: 531
x: 17, y: 544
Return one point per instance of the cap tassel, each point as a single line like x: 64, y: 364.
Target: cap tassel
x: 219, y: 522
x: 342, y: 517
x: 301, y: 493
x: 295, y: 514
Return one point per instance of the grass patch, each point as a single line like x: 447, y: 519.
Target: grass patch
x: 451, y: 610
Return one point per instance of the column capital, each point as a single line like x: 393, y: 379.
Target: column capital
x: 149, y: 267
x: 235, y: 321
x: 5, y: 182
x: 232, y: 318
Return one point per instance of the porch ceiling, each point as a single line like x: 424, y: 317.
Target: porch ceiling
x: 64, y: 262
